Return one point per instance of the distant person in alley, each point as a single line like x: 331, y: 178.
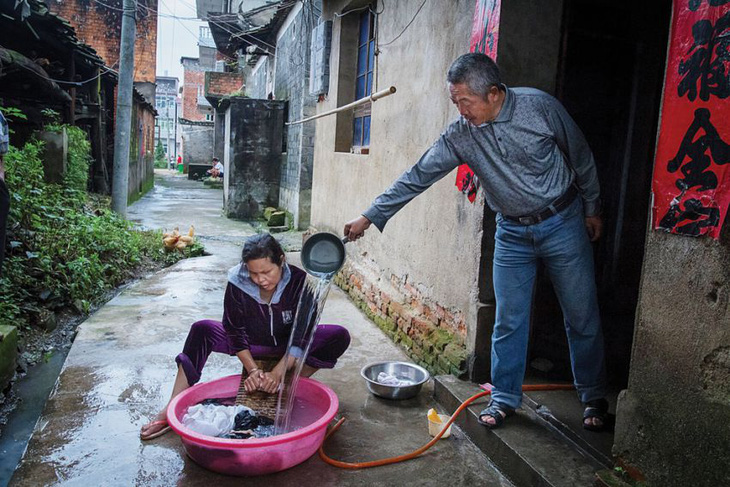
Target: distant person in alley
x: 540, y: 177
x: 259, y: 308
x: 217, y: 170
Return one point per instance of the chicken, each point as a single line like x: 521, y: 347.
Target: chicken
x: 173, y: 240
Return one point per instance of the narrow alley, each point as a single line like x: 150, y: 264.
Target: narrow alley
x: 120, y: 370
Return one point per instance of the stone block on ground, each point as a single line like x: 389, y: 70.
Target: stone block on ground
x: 268, y: 211
x: 277, y: 219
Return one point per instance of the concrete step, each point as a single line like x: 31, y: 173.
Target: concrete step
x: 533, y: 449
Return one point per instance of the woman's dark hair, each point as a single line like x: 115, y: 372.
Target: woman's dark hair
x: 262, y: 246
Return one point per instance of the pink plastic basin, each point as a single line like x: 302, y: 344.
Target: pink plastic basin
x: 254, y: 456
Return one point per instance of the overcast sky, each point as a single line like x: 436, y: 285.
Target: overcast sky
x: 176, y: 37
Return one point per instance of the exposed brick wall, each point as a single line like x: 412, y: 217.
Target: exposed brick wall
x: 100, y: 27
x: 432, y: 335
x: 217, y: 83
x: 193, y: 84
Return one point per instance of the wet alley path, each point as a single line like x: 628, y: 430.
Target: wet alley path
x: 120, y: 369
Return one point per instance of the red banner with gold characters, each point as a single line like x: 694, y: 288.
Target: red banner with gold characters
x: 692, y: 167
x: 484, y: 37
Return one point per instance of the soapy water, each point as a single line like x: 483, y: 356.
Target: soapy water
x: 306, y: 320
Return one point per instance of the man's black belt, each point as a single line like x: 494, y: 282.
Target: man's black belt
x: 558, y: 205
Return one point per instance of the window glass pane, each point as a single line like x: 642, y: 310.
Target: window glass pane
x: 366, y: 132
x: 371, y: 57
x: 364, y: 27
x: 362, y: 60
x: 357, y: 132
x: 360, y: 88
x: 370, y: 84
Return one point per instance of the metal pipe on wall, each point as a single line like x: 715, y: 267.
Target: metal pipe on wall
x: 361, y: 101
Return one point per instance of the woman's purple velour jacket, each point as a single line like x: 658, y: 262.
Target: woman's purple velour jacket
x: 248, y: 320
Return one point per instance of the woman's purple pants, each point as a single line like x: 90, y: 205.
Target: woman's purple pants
x: 206, y: 336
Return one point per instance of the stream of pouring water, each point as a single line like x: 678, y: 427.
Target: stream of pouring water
x: 306, y: 320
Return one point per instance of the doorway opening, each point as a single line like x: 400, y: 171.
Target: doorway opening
x: 606, y: 65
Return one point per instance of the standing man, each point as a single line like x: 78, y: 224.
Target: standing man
x: 4, y: 194
x: 540, y: 177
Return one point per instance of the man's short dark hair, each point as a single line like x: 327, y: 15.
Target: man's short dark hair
x: 477, y: 71
x: 215, y: 158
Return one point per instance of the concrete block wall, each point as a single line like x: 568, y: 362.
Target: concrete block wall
x: 292, y: 84
x: 198, y: 142
x: 100, y: 25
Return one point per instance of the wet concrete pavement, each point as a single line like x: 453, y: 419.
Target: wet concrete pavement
x: 119, y: 374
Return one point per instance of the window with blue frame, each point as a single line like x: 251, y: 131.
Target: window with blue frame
x: 364, y: 82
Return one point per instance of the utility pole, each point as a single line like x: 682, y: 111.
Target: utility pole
x: 120, y: 181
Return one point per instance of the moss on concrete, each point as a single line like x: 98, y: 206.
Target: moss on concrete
x: 8, y: 354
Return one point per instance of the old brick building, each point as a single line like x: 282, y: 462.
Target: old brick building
x: 99, y: 25
x: 196, y: 119
x: 194, y: 105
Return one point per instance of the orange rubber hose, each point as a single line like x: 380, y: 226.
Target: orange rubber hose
x: 414, y: 454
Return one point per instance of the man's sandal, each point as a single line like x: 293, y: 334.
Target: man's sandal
x: 598, y: 409
x: 166, y: 428
x: 496, y: 411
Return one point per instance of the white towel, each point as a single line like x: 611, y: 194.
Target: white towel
x: 391, y: 380
x: 212, y: 419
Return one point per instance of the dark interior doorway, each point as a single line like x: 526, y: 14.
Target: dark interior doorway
x: 609, y: 77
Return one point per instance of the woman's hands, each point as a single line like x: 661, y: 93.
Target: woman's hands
x: 253, y: 381
x: 258, y: 380
x: 270, y: 381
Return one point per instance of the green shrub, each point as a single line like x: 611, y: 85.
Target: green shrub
x: 66, y: 248
x: 79, y: 158
x: 160, y: 160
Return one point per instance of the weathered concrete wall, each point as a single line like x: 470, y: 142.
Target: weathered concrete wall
x: 673, y: 418
x: 529, y: 51
x: 141, y: 152
x: 426, y: 262
x: 197, y: 143
x: 292, y: 83
x: 252, y: 157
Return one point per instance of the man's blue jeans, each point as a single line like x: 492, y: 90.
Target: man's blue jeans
x: 562, y: 243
